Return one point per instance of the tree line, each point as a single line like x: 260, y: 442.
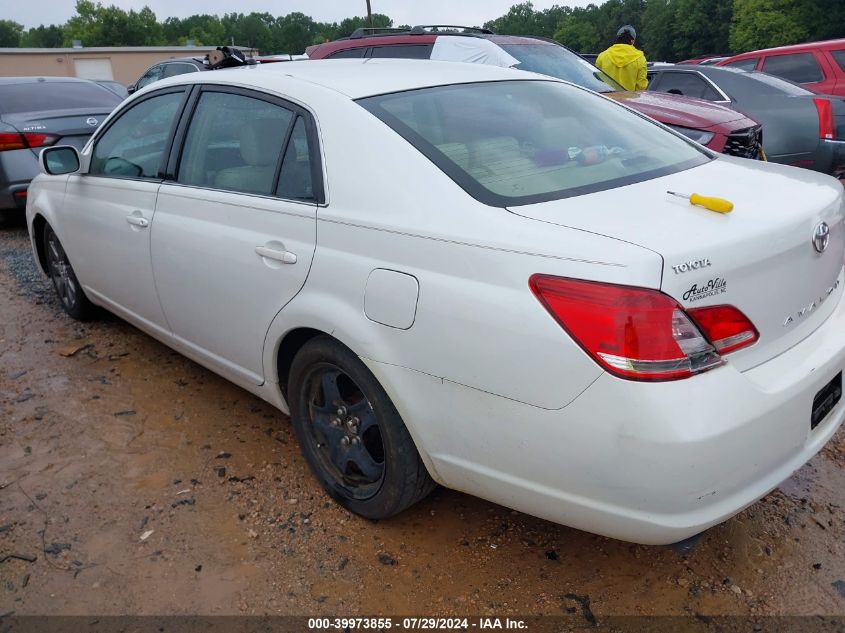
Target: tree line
x: 672, y: 30
x: 668, y: 30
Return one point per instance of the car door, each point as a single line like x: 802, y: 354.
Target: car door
x: 235, y: 227
x: 109, y: 209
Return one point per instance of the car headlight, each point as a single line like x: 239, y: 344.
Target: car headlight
x: 699, y: 136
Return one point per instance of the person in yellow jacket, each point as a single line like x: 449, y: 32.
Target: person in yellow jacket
x: 623, y: 62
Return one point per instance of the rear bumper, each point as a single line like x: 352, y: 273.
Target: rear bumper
x: 834, y: 155
x: 17, y: 169
x: 651, y: 463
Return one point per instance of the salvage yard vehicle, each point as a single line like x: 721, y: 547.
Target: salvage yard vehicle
x: 499, y: 295
x: 818, y: 66
x: 39, y: 111
x: 718, y: 128
x: 801, y: 128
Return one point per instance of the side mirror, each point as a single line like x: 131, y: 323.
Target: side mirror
x: 60, y: 160
x: 131, y: 88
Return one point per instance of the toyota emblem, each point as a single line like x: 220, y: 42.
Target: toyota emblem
x: 91, y: 121
x: 821, y: 237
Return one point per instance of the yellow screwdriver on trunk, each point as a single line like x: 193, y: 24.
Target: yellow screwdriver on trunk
x: 719, y: 205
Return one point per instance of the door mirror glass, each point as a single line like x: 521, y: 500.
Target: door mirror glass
x: 57, y: 161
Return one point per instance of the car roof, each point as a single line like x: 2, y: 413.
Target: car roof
x: 793, y: 48
x: 358, y: 78
x: 421, y: 39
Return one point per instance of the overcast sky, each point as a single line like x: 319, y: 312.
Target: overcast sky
x: 465, y: 12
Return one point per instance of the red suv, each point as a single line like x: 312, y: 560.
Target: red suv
x: 719, y: 128
x: 818, y: 66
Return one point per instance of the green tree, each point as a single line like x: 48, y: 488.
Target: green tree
x: 10, y: 34
x: 293, y: 33
x: 657, y: 30
x: 521, y: 19
x: 764, y: 23
x: 42, y: 36
x: 701, y: 27
x: 580, y: 32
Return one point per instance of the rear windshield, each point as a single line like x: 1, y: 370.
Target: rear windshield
x: 55, y: 95
x: 556, y: 61
x: 520, y: 142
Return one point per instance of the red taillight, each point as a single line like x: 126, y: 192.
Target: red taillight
x: 634, y: 333
x: 14, y: 140
x: 726, y: 327
x: 826, y: 128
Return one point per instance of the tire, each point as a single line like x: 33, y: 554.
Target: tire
x: 70, y: 292
x: 351, y: 434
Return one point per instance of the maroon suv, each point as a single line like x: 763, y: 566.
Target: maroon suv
x: 719, y: 128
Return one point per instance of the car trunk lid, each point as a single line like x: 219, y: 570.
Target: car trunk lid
x: 759, y: 258
x: 72, y: 127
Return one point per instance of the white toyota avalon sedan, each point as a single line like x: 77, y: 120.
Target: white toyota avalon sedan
x: 471, y: 276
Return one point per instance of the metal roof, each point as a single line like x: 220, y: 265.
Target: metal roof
x: 113, y: 49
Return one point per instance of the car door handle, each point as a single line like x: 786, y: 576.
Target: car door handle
x: 286, y: 257
x: 137, y: 220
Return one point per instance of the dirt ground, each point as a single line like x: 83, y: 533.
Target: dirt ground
x: 141, y: 483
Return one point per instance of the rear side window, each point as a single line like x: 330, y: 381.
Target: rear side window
x: 133, y: 146
x: 413, y: 51
x: 688, y: 85
x: 42, y: 95
x: 234, y: 143
x: 295, y: 181
x: 347, y: 53
x: 839, y: 56
x: 802, y: 68
x: 521, y: 142
x: 745, y: 64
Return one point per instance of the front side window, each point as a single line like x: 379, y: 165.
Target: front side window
x: 520, y: 142
x: 153, y: 74
x: 745, y: 64
x: 133, y: 146
x: 234, y: 142
x: 802, y: 68
x: 839, y: 56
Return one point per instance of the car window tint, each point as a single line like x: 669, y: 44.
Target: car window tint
x: 414, y: 51
x: 234, y: 143
x: 295, y: 177
x: 802, y: 68
x: 745, y: 64
x: 349, y: 52
x: 520, y: 142
x: 133, y: 145
x: 39, y: 96
x: 688, y: 85
x: 153, y: 74
x: 839, y: 56
x: 171, y: 70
